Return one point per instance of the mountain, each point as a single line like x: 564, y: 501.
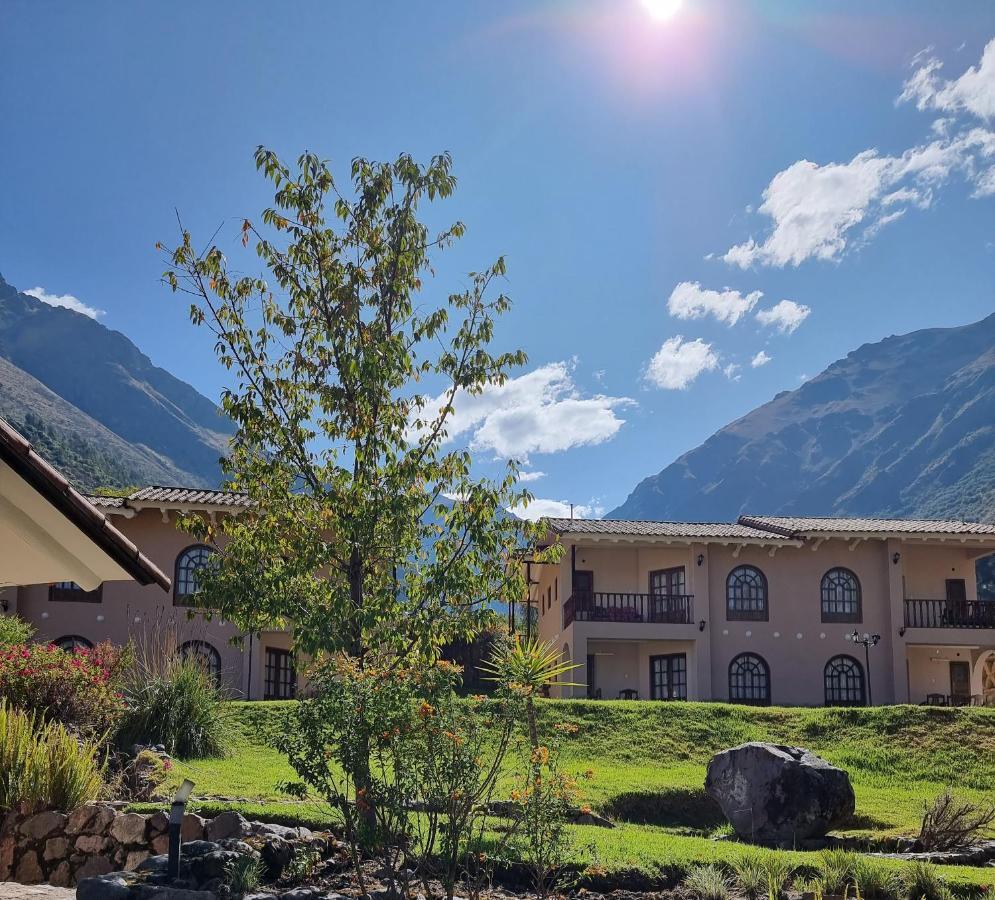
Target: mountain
x: 96, y: 406
x: 904, y: 427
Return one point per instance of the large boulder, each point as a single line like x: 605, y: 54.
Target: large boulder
x: 779, y: 795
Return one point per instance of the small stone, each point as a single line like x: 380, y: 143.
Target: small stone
x: 43, y: 824
x: 56, y: 848
x: 229, y: 824
x: 134, y: 859
x: 302, y: 893
x: 129, y: 829
x: 8, y: 844
x: 212, y: 865
x: 79, y: 819
x: 170, y: 893
x: 192, y: 828
x: 276, y: 855
x: 199, y: 848
x: 103, y: 815
x: 158, y: 823
x: 109, y: 886
x: 62, y: 876
x: 95, y: 865
x: 29, y: 869
x: 157, y: 864
x: 92, y: 843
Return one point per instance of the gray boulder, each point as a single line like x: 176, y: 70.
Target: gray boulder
x: 779, y: 795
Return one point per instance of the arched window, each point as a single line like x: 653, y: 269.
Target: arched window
x: 844, y: 682
x: 205, y: 655
x: 188, y: 563
x: 73, y: 642
x: 746, y: 594
x: 840, y: 596
x: 749, y: 680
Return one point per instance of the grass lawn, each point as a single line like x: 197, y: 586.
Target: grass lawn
x: 648, y: 761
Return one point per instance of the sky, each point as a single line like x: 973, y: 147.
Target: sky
x: 700, y: 203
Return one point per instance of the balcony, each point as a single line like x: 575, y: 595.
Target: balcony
x: 949, y: 614
x: 674, y: 609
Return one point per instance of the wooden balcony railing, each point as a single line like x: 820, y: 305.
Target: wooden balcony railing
x: 949, y: 614
x: 677, y: 609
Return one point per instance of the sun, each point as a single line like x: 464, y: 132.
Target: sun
x: 661, y: 10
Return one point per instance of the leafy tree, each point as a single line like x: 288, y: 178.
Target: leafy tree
x: 368, y: 535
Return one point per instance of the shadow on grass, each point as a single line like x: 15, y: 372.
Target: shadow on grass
x: 687, y: 807
x: 864, y: 822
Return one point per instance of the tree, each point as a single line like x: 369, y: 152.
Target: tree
x: 367, y: 535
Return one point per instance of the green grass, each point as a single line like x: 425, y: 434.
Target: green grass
x: 648, y: 762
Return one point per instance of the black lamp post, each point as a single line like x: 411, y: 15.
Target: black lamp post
x: 175, y: 828
x: 868, y: 640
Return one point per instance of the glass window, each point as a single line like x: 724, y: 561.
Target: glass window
x: 70, y: 592
x: 669, y: 677
x: 73, y: 642
x: 746, y: 594
x: 840, y: 596
x: 281, y: 679
x: 205, y: 655
x: 749, y: 680
x: 188, y: 563
x: 844, y: 682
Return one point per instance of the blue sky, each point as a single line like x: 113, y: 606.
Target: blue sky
x: 645, y: 178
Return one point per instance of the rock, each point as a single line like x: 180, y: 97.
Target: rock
x: 56, y: 848
x: 592, y: 818
x: 79, y: 819
x: 92, y: 843
x: 28, y: 869
x: 43, y: 824
x: 62, y: 876
x: 212, y: 865
x: 129, y: 829
x: 302, y: 893
x: 228, y: 825
x: 158, y: 823
x: 276, y: 855
x: 779, y: 795
x: 160, y: 843
x: 172, y: 893
x: 154, y: 864
x: 281, y: 831
x: 95, y: 865
x: 199, y: 848
x: 192, y: 828
x: 134, y: 859
x: 110, y: 886
x: 8, y: 844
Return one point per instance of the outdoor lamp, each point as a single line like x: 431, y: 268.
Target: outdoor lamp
x: 895, y: 557
x: 175, y: 826
x: 701, y: 558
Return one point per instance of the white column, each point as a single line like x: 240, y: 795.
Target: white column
x: 702, y: 604
x: 896, y: 605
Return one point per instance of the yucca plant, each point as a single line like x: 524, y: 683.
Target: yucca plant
x: 73, y: 773
x: 243, y: 874
x: 874, y: 878
x: 20, y: 769
x: 922, y: 881
x: 838, y: 869
x: 777, y: 871
x: 750, y: 874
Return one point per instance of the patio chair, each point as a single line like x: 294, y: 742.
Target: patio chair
x: 936, y: 700
x: 628, y: 694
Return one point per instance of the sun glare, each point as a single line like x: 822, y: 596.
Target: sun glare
x: 661, y: 10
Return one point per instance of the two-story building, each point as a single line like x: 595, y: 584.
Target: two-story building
x: 253, y: 667
x: 766, y: 610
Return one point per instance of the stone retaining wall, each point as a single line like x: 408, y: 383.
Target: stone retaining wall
x: 61, y: 849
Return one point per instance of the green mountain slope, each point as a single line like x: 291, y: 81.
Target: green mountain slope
x: 96, y: 405
x: 903, y: 427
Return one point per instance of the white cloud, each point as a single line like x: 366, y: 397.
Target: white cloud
x: 539, y: 412
x: 559, y: 509
x: 761, y: 359
x: 530, y: 476
x: 678, y: 363
x: 689, y: 300
x: 731, y: 371
x: 819, y: 211
x: 66, y: 300
x: 972, y: 92
x: 785, y: 316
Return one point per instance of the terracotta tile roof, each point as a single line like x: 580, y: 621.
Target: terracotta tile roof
x: 799, y: 526
x: 16, y: 452
x: 105, y: 502
x: 626, y: 528
x: 156, y: 494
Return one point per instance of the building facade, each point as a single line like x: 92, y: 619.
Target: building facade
x: 157, y: 621
x: 764, y: 610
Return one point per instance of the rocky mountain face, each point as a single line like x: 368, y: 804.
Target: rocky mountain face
x: 96, y: 406
x: 903, y: 427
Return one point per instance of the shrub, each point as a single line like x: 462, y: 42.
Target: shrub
x: 14, y: 630
x: 922, y: 881
x: 707, y: 883
x: 44, y: 764
x: 776, y: 871
x: 78, y: 689
x: 874, y: 879
x: 952, y: 824
x: 177, y: 704
x: 838, y: 869
x: 750, y: 874
x: 243, y: 874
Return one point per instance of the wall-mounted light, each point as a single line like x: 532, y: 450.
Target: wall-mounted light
x: 896, y: 557
x: 701, y: 558
x: 701, y: 625
x: 901, y: 631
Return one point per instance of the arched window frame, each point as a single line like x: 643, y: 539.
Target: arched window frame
x: 852, y: 692
x: 740, y: 606
x: 184, y: 573
x: 838, y: 601
x: 206, y: 653
x: 73, y: 642
x: 755, y: 692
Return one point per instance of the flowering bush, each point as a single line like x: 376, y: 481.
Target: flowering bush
x: 78, y: 688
